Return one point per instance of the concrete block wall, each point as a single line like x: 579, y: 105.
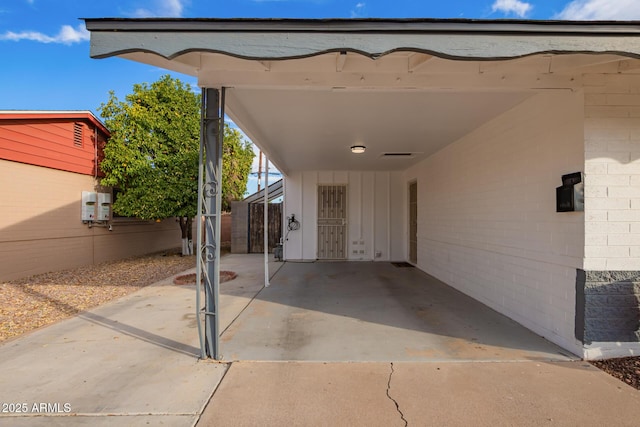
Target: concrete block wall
x: 608, y: 298
x: 487, y: 220
x: 41, y: 228
x: 609, y: 301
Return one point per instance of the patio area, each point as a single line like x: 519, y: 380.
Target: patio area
x: 373, y: 312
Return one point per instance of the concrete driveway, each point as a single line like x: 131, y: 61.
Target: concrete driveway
x: 374, y: 311
x: 134, y: 361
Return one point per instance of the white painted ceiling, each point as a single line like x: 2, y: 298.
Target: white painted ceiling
x: 314, y: 129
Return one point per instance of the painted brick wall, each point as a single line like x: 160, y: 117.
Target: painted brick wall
x: 612, y: 167
x: 487, y: 223
x: 607, y: 292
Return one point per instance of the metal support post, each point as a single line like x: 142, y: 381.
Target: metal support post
x: 209, y: 210
x: 266, y: 222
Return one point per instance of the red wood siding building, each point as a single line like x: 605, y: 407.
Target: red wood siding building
x: 47, y: 159
x: 71, y: 141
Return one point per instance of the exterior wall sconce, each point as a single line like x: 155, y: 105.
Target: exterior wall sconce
x: 358, y: 149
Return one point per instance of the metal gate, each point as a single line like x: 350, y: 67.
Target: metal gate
x: 256, y: 226
x: 332, y: 221
x: 413, y: 222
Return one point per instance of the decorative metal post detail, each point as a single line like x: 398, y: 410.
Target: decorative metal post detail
x: 209, y: 210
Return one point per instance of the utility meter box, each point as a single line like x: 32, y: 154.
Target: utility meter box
x: 89, y: 200
x: 104, y: 207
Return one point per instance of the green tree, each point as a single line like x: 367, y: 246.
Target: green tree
x: 152, y: 155
x: 237, y: 158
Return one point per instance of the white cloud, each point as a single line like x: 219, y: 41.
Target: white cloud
x: 515, y: 7
x: 585, y: 10
x: 358, y: 10
x: 67, y: 35
x: 163, y: 8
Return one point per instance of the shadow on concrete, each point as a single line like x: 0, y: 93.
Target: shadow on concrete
x: 141, y: 334
x: 374, y: 311
x: 115, y: 325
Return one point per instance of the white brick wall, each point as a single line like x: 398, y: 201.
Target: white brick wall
x: 612, y: 162
x: 487, y: 221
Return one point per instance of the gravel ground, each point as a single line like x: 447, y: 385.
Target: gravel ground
x: 626, y: 369
x: 37, y: 301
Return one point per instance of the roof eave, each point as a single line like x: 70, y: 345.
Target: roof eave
x: 364, y: 25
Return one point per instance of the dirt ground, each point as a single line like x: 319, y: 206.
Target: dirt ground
x: 41, y: 300
x: 36, y: 301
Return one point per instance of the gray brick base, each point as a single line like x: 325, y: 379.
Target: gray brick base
x: 608, y: 306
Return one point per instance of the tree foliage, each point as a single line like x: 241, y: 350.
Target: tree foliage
x: 237, y: 157
x: 152, y: 155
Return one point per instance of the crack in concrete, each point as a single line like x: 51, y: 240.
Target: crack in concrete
x: 406, y: 423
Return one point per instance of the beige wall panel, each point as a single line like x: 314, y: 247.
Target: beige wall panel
x: 40, y: 203
x: 128, y: 241
x: 41, y: 228
x: 26, y: 258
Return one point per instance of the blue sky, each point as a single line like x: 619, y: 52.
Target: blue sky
x: 45, y: 48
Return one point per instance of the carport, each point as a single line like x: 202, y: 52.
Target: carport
x: 435, y: 142
x: 373, y: 312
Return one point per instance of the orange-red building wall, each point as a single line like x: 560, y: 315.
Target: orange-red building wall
x: 52, y: 143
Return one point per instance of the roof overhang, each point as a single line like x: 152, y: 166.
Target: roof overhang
x: 306, y: 90
x: 54, y: 115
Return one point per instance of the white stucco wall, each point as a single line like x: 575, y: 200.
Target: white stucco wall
x: 375, y: 214
x: 487, y: 221
x: 612, y: 162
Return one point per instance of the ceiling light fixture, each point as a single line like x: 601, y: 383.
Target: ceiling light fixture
x: 358, y: 149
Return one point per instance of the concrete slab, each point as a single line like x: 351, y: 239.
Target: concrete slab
x: 128, y: 362
x: 236, y: 295
x: 512, y: 394
x: 134, y: 361
x: 439, y: 394
x: 302, y: 394
x: 365, y: 311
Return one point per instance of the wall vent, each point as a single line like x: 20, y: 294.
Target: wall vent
x: 77, y: 134
x: 398, y: 155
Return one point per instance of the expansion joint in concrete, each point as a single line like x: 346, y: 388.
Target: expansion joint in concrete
x: 395, y: 402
